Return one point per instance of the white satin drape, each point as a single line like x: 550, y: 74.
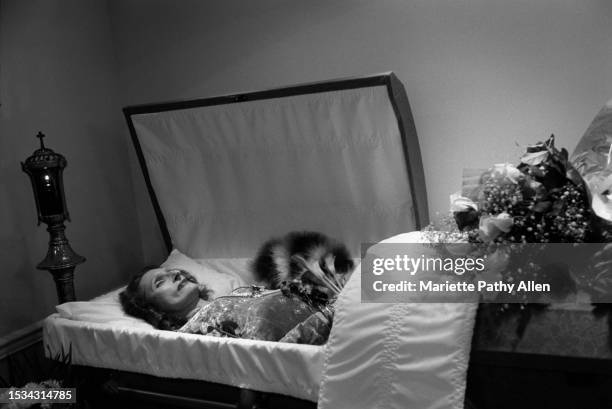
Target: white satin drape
x: 396, y: 356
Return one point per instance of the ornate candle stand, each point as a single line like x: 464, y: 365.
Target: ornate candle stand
x: 45, y: 168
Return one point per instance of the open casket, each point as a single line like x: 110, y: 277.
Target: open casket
x: 225, y: 174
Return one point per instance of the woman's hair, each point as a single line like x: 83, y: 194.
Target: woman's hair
x: 134, y: 304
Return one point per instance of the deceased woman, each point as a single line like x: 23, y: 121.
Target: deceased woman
x: 300, y: 312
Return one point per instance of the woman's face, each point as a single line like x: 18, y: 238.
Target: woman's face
x: 170, y: 290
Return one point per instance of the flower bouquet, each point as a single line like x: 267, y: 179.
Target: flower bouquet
x: 522, y: 210
x: 318, y: 284
x: 542, y: 200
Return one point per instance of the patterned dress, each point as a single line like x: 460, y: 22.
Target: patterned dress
x: 268, y: 316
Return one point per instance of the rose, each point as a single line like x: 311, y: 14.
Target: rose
x: 535, y: 158
x: 506, y: 171
x: 538, y: 153
x: 491, y: 227
x: 465, y: 212
x: 461, y: 204
x: 548, y: 165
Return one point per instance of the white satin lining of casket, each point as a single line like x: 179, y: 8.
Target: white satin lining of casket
x: 132, y: 345
x: 331, y: 162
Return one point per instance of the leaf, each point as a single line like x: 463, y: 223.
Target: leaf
x: 535, y: 158
x: 564, y: 154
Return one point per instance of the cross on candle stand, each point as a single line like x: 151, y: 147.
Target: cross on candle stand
x: 40, y: 136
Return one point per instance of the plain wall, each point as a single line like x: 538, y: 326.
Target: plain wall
x: 482, y: 76
x: 58, y: 74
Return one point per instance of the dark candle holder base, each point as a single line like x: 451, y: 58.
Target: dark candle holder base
x: 64, y: 284
x: 61, y: 261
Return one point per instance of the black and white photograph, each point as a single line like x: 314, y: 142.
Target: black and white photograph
x: 328, y: 204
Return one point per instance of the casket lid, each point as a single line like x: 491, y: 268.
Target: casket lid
x: 339, y: 156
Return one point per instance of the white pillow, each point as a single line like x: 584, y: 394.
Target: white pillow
x: 99, y: 312
x: 220, y: 280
